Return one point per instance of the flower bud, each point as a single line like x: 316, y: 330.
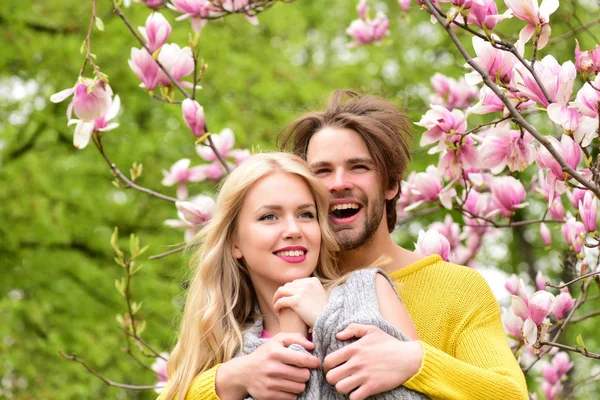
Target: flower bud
x: 540, y: 304
x: 564, y: 302
x: 545, y: 233
x: 433, y: 242
x: 156, y: 32
x: 193, y: 114
x: 588, y: 211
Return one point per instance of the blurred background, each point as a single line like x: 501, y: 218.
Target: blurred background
x: 58, y: 207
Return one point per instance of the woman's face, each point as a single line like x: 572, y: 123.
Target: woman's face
x: 278, y: 236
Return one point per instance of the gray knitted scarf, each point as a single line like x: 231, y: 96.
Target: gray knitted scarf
x: 354, y: 301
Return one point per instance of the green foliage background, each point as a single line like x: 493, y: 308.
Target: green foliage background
x: 57, y: 204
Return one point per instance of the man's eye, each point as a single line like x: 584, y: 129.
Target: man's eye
x: 321, y: 171
x: 361, y: 167
x: 307, y: 215
x: 268, y: 217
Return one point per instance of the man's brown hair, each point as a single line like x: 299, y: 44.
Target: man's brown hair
x: 383, y: 126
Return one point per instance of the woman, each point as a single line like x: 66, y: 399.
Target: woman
x: 263, y: 267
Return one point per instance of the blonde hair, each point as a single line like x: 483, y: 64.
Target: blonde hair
x: 220, y: 300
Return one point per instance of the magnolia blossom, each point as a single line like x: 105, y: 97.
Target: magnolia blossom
x: 498, y: 63
x: 528, y: 11
x: 91, y: 99
x: 485, y: 14
x: 193, y: 214
x: 464, y: 157
x: 181, y: 174
x: 569, y: 151
x: 156, y: 32
x: 533, y: 311
x: 223, y: 142
x: 236, y: 5
x: 583, y: 128
x: 450, y: 229
x: 508, y: 194
x: 488, y: 102
x: 404, y: 4
x: 562, y: 363
x: 588, y: 211
x: 557, y: 80
x: 574, y: 233
x: 85, y: 129
x: 440, y: 122
x: 512, y: 284
x: 564, y: 302
x: 160, y: 369
x: 178, y: 61
x: 428, y: 186
x: 587, y: 61
x: 451, y: 93
x: 196, y: 10
x: 552, y: 391
x: 513, y: 324
x: 505, y: 147
x: 193, y: 115
x: 366, y: 31
x: 545, y: 234
x: 432, y: 242
x: 556, y: 209
x: 540, y: 281
x: 587, y: 99
x: 145, y: 68
x: 479, y: 205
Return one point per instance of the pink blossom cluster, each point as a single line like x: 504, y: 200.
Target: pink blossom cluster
x: 159, y: 366
x: 365, y: 30
x: 451, y: 93
x: 199, y: 11
x: 587, y: 61
x: 554, y: 373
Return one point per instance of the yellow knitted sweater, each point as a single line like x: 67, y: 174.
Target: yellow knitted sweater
x: 466, y: 353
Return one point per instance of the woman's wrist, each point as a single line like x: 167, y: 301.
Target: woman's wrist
x: 229, y: 380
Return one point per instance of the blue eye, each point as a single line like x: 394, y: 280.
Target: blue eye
x: 267, y: 217
x: 307, y: 215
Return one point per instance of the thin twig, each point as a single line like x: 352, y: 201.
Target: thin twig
x: 129, y: 182
x: 574, y: 280
x: 219, y: 156
x: 88, y: 43
x: 155, y: 354
x: 516, y: 115
x: 168, y: 253
x: 571, y: 348
x: 585, y: 316
x: 574, y: 31
x: 109, y: 382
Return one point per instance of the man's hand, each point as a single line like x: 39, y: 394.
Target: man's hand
x: 272, y: 372
x: 305, y: 296
x: 375, y: 363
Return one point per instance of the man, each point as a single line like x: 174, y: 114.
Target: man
x: 359, y: 147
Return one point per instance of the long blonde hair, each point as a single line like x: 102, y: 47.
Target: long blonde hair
x: 220, y: 299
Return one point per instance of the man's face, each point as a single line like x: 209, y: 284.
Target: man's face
x: 341, y: 159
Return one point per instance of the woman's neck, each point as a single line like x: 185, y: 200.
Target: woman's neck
x: 270, y: 319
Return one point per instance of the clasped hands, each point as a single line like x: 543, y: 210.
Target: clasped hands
x: 375, y: 363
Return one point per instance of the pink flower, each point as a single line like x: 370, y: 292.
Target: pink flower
x: 428, y: 186
x: 196, y: 10
x: 551, y: 391
x: 193, y: 214
x: 557, y: 210
x: 587, y: 99
x: 485, y: 14
x: 450, y: 230
x: 193, y: 114
x: 463, y: 158
x: 540, y: 281
x: 508, y: 193
x: 537, y: 308
x: 156, y: 32
x: 583, y: 128
x: 545, y: 234
x: 451, y: 93
x: 498, y: 63
x: 528, y: 11
x: 588, y: 211
x: 488, y: 102
x: 564, y: 302
x: 576, y: 196
x: 574, y: 232
x: 236, y: 5
x: 144, y: 66
x: 566, y: 148
x: 562, y: 363
x: 404, y: 4
x: 91, y: 99
x: 588, y: 61
x: 362, y: 9
x: 513, y: 324
x: 504, y: 147
x: 550, y: 373
x: 512, y: 284
x: 154, y: 4
x: 432, y: 242
x: 85, y: 129
x: 223, y: 142
x: 180, y: 175
x: 178, y: 61
x: 557, y: 80
x: 441, y: 122
x: 160, y: 369
x: 369, y: 31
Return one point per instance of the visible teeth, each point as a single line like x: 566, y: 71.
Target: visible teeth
x: 344, y: 206
x: 290, y: 253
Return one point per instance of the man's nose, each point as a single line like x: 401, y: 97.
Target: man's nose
x: 339, y: 182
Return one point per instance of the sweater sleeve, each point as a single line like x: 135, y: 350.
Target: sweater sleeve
x: 482, y: 365
x: 203, y: 387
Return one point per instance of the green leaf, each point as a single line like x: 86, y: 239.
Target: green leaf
x: 99, y: 24
x: 135, y: 307
x: 141, y: 327
x: 113, y: 242
x: 580, y: 341
x: 120, y: 285
x: 136, y: 268
x: 120, y: 319
x: 83, y: 46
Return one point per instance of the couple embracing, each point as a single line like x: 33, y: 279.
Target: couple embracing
x: 299, y: 292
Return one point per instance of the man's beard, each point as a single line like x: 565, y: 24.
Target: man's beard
x: 346, y: 241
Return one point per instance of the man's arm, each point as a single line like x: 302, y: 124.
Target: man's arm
x: 481, y: 366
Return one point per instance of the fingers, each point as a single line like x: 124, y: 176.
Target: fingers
x: 348, y: 384
x: 283, y: 302
x: 336, y: 358
x: 283, y: 291
x: 354, y: 330
x: 360, y: 394
x: 287, y: 339
x: 299, y: 359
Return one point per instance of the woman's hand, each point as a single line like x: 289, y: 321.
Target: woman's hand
x: 306, y: 297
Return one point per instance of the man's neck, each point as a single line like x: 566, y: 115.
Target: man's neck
x: 380, y: 245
